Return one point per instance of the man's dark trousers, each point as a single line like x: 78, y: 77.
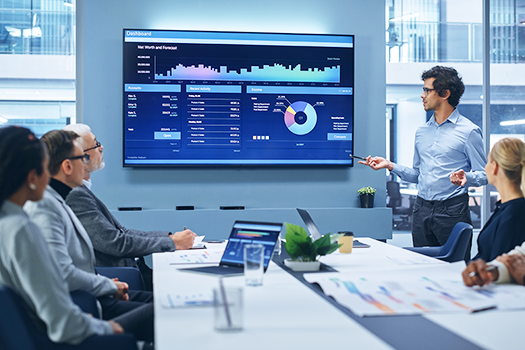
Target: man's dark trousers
x: 433, y: 221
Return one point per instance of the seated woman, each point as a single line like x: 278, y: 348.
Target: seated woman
x: 506, y: 227
x: 26, y: 265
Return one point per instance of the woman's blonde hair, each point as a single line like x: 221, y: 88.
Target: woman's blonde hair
x: 509, y: 153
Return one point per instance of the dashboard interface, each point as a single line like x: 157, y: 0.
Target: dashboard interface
x: 230, y: 98
x: 250, y: 233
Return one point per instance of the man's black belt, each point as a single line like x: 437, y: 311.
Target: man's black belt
x: 444, y: 203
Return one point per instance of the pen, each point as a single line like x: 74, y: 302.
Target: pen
x: 490, y: 268
x: 351, y: 155
x: 225, y: 301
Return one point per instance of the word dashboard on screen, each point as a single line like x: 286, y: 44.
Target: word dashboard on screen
x: 231, y: 98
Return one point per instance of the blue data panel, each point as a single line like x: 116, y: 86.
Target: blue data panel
x: 204, y: 98
x: 245, y: 233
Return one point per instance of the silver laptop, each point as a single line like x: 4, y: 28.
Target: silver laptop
x: 243, y: 232
x: 310, y: 225
x: 314, y: 231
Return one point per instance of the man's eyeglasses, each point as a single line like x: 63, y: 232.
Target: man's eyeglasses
x: 97, y: 145
x: 84, y: 157
x: 427, y: 90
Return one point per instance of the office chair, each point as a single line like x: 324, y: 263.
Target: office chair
x: 476, y: 208
x: 130, y: 275
x: 394, y: 201
x: 87, y: 301
x: 17, y: 331
x: 455, y: 247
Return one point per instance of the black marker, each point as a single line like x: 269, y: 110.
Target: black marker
x: 184, y: 207
x: 351, y: 155
x: 129, y: 208
x: 238, y: 207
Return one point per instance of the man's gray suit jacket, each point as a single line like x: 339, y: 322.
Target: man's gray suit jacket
x: 69, y: 243
x: 114, y: 244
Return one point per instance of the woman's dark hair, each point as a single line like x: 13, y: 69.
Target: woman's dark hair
x: 60, y: 146
x: 20, y: 152
x: 446, y: 79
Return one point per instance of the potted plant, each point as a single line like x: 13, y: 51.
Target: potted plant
x: 304, y: 252
x: 366, y: 194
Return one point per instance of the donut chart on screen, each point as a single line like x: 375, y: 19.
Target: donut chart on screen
x: 300, y: 118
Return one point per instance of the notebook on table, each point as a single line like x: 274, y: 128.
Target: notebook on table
x: 311, y: 227
x: 243, y: 232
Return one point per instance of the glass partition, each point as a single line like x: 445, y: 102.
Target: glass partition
x: 36, y: 91
x: 45, y: 27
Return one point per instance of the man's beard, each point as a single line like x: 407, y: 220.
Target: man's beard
x: 101, y: 165
x: 98, y: 167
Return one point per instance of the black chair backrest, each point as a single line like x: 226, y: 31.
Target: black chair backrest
x: 15, y: 325
x: 130, y: 275
x: 17, y: 331
x: 394, y: 194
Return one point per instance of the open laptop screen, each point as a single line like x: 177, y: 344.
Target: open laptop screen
x: 245, y: 232
x: 310, y: 225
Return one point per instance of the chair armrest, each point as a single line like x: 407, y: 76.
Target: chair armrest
x: 130, y: 275
x: 17, y: 331
x: 86, y: 301
x: 428, y: 251
x: 125, y: 341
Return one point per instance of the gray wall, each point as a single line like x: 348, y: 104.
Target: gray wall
x: 268, y: 193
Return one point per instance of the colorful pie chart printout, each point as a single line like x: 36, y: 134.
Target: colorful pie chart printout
x: 300, y: 118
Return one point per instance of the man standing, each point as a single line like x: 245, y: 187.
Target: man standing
x: 114, y: 244
x: 448, y: 158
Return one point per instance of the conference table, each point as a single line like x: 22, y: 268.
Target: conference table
x: 288, y: 313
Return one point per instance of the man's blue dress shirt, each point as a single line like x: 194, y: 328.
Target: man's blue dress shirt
x: 441, y: 149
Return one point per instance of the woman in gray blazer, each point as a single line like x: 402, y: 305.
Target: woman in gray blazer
x: 26, y: 265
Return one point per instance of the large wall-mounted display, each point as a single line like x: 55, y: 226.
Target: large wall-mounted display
x: 230, y: 98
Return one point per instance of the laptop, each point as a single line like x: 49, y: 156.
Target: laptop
x: 243, y: 232
x: 314, y: 231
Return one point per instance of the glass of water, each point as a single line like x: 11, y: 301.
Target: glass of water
x: 253, y: 264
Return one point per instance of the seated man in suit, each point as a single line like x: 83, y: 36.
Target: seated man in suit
x: 69, y: 243
x: 505, y: 268
x: 114, y: 244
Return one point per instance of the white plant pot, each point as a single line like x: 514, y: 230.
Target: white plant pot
x: 302, y: 265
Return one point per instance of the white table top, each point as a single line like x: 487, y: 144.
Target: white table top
x: 280, y: 314
x: 284, y: 313
x: 489, y: 329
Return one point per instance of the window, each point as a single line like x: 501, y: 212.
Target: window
x: 37, y: 43
x: 422, y: 33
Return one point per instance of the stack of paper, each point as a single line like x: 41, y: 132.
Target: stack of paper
x: 186, y: 299
x: 415, y: 289
x: 374, y: 297
x: 201, y: 256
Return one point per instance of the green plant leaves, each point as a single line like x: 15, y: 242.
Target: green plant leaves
x: 322, y: 242
x: 335, y: 237
x: 298, y: 242
x: 300, y: 246
x: 366, y: 190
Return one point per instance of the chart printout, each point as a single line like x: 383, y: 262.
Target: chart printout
x: 381, y: 297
